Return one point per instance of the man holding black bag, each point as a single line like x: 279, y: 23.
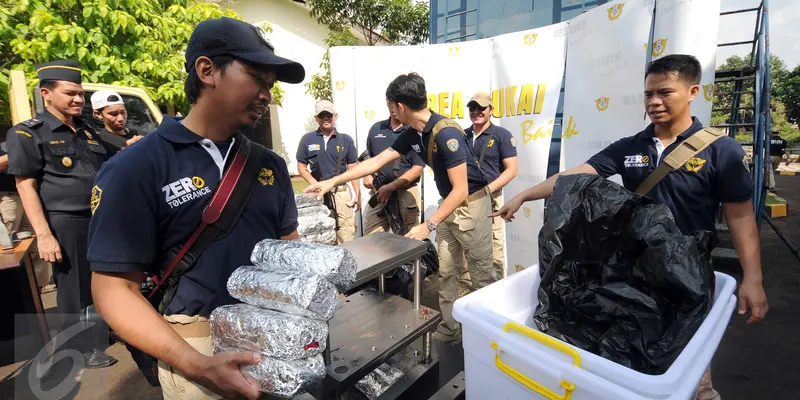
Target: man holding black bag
x: 203, y: 195
x: 395, y: 192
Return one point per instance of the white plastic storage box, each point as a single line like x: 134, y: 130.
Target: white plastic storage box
x: 504, y: 358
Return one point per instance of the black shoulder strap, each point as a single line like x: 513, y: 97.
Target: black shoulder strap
x: 339, y: 153
x: 483, y: 151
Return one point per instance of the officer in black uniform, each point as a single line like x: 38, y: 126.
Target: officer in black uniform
x: 55, y: 159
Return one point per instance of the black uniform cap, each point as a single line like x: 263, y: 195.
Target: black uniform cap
x: 60, y: 70
x: 228, y: 36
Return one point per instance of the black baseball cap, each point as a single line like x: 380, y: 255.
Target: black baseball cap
x: 241, y: 40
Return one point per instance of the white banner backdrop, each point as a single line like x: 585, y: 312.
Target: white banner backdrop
x: 603, y: 92
x: 690, y: 28
x: 528, y: 68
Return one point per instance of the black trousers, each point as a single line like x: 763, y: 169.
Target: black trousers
x: 73, y: 277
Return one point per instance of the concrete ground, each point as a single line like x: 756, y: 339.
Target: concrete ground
x: 756, y: 362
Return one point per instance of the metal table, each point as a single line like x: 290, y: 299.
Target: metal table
x: 369, y: 327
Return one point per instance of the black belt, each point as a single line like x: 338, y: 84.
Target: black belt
x: 74, y: 214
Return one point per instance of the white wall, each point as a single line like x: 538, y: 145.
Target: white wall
x: 298, y: 37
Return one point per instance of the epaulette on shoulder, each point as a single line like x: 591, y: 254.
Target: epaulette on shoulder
x: 32, y: 123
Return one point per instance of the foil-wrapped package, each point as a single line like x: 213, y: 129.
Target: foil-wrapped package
x: 314, y: 211
x: 273, y: 334
x: 328, y: 238
x: 282, y: 378
x: 297, y: 293
x: 378, y: 381
x: 310, y: 224
x: 332, y: 263
x: 307, y: 200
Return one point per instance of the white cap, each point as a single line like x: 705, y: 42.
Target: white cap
x: 105, y: 98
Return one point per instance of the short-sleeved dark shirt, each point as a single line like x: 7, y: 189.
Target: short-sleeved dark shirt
x: 63, y: 162
x: 150, y: 197
x: 323, y: 157
x: 7, y: 181
x: 499, y: 145
x: 381, y: 137
x: 777, y: 145
x: 693, y: 194
x: 115, y: 141
x: 451, y: 150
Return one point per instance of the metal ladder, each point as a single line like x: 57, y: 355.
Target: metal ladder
x: 752, y: 80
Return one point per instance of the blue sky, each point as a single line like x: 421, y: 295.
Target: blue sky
x: 784, y: 28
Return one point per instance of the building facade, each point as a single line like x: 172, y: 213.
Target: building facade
x: 462, y: 20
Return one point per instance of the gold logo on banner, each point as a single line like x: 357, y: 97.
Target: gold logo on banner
x: 708, y: 92
x: 659, y: 46
x: 695, y: 164
x: 369, y: 114
x: 518, y: 268
x: 97, y: 193
x: 530, y: 38
x: 615, y: 11
x: 526, y: 211
x: 572, y: 129
x: 601, y: 103
x: 340, y: 85
x: 453, y: 51
x: 265, y: 177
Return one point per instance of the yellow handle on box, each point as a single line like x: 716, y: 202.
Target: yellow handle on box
x: 546, y: 340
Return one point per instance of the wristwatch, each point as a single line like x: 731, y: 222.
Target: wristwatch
x: 431, y: 226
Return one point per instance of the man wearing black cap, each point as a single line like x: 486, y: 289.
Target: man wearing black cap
x: 170, y: 176
x: 55, y: 159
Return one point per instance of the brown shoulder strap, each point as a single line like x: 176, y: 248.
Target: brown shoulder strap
x: 676, y: 158
x: 445, y: 123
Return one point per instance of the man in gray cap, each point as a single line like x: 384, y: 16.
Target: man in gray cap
x: 324, y: 154
x: 55, y: 159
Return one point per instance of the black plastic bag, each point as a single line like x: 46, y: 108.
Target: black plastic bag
x: 619, y: 279
x: 400, y: 281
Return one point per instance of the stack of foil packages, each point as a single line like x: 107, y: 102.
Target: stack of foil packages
x: 289, y: 293
x: 315, y: 223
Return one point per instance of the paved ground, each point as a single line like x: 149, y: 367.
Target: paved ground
x: 753, y: 362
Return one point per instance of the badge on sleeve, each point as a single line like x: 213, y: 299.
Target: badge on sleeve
x: 66, y: 161
x: 88, y: 135
x: 513, y: 142
x: 452, y: 144
x: 97, y: 193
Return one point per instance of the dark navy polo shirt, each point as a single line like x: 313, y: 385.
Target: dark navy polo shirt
x: 63, y: 162
x: 451, y: 150
x: 777, y: 145
x: 323, y: 158
x: 499, y: 145
x: 150, y: 197
x: 381, y: 137
x: 716, y: 175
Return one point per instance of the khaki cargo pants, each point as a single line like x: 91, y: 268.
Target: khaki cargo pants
x: 774, y: 163
x: 345, y: 217
x: 196, y: 331
x: 498, y: 244
x: 466, y: 233
x: 408, y: 200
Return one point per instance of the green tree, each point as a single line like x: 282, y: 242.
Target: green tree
x: 398, y: 21
x: 137, y: 43
x: 723, y: 100
x: 393, y: 21
x: 789, y: 93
